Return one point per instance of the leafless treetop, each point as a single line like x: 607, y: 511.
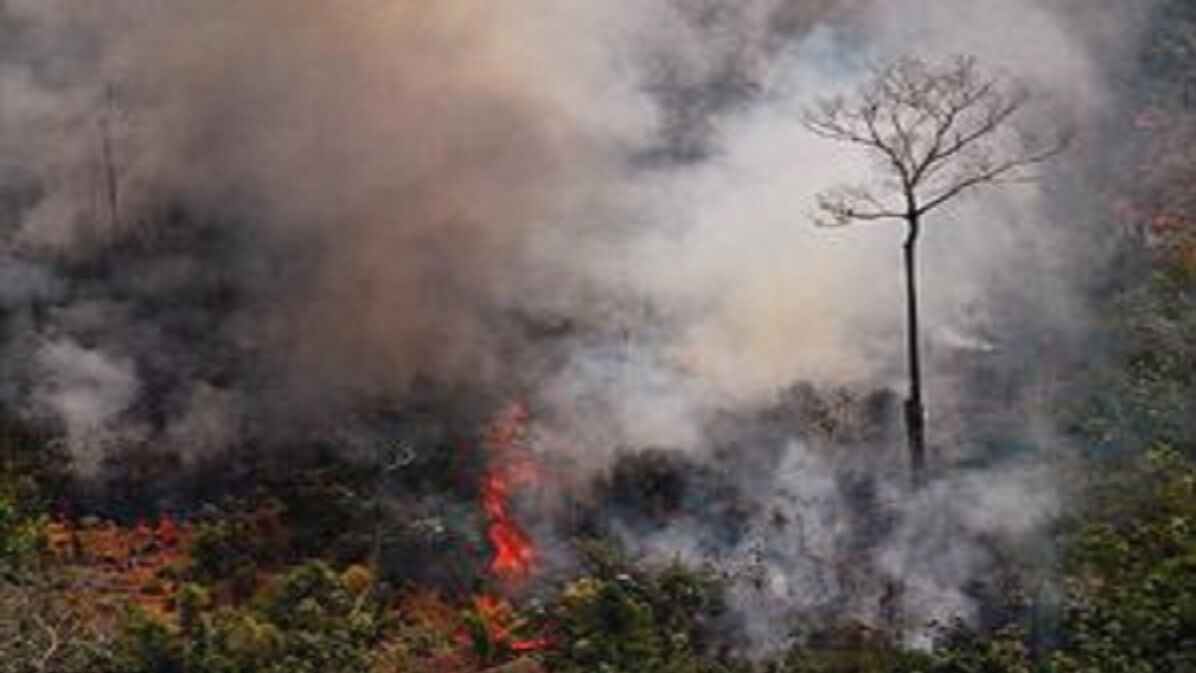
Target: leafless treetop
x: 939, y: 130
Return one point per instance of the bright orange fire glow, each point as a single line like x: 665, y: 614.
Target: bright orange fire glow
x: 514, y: 553
x: 509, y: 467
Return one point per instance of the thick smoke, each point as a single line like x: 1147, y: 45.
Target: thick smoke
x: 235, y: 220
x: 329, y: 199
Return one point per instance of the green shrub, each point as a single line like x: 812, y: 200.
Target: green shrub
x: 21, y: 535
x: 1132, y: 573
x: 619, y: 620
x: 145, y: 645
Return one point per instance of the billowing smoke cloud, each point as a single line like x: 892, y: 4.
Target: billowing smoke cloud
x: 238, y: 218
x: 357, y: 194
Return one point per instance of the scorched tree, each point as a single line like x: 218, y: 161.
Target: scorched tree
x: 938, y: 130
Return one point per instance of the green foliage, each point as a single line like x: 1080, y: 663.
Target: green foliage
x: 305, y: 595
x: 856, y: 660
x: 623, y: 621
x: 25, y: 463
x: 961, y: 650
x: 1170, y: 57
x: 304, y: 620
x: 1132, y: 579
x: 235, y: 542
x: 191, y: 601
x: 145, y: 645
x: 20, y: 534
x: 328, y: 512
x: 218, y: 548
x: 957, y: 649
x: 1149, y: 395
x: 233, y: 640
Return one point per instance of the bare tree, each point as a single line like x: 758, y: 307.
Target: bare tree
x: 938, y: 131
x: 108, y: 159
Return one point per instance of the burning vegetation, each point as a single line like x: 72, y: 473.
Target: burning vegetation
x: 509, y: 468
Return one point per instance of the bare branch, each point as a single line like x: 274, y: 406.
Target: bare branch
x: 850, y: 204
x: 46, y: 657
x: 995, y: 175
x: 940, y: 130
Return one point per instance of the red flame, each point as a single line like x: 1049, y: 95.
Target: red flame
x: 509, y: 467
x: 514, y: 553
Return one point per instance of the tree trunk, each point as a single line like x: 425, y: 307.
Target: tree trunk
x: 111, y: 178
x: 915, y: 417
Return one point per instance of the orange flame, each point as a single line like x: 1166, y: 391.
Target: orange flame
x: 514, y: 553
